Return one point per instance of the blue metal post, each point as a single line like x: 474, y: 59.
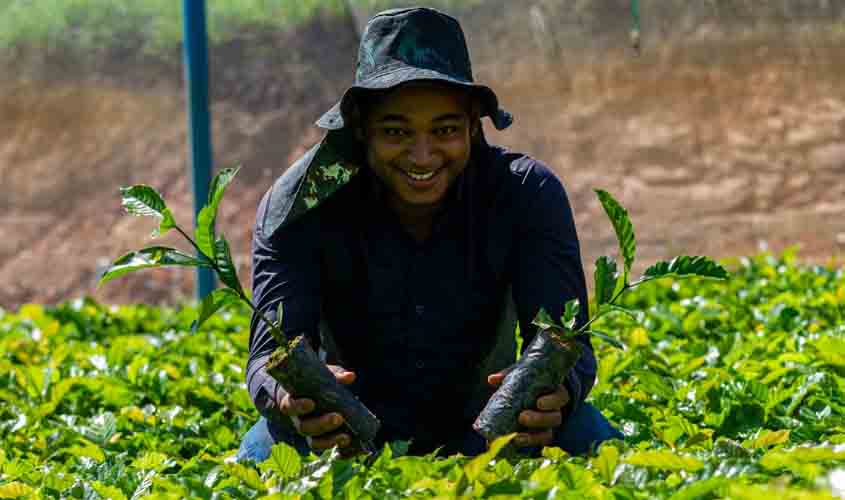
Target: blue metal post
x: 199, y: 117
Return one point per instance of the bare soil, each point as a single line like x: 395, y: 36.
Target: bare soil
x: 716, y: 148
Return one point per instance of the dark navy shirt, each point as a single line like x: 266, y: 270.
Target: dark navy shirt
x: 415, y: 320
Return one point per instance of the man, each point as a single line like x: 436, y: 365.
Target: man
x: 407, y: 248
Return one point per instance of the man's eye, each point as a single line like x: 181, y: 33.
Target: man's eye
x: 394, y: 132
x: 446, y: 130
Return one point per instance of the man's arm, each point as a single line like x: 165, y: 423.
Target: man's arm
x: 549, y: 271
x: 285, y: 268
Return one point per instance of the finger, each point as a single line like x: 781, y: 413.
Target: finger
x: 326, y: 442
x: 528, y: 439
x: 495, y: 379
x: 296, y: 407
x: 342, y: 375
x: 540, y: 419
x: 323, y: 424
x: 554, y: 401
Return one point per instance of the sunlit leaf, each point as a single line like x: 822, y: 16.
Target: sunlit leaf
x: 227, y: 271
x: 687, y: 266
x: 143, y: 200
x: 15, y: 489
x: 665, y: 460
x: 107, y: 492
x: 622, y: 225
x: 151, y: 257
x: 284, y: 460
x: 211, y: 303
x: 605, y: 277
x: 605, y: 463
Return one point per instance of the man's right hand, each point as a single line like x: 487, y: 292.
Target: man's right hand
x: 319, y: 430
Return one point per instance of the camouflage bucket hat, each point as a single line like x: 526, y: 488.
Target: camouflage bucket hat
x: 403, y: 45
x: 397, y: 46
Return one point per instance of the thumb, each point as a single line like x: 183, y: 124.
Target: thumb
x: 342, y: 375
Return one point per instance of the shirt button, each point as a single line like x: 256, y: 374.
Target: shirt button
x: 420, y: 365
x: 420, y: 310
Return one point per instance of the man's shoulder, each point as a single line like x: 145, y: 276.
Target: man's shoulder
x: 519, y: 175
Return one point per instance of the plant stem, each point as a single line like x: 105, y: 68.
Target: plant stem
x: 274, y: 330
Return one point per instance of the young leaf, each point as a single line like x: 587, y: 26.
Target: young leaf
x: 280, y: 314
x: 145, y: 201
x: 607, y: 338
x: 665, y: 460
x: 204, y: 233
x: 149, y: 258
x: 207, y: 218
x: 605, y: 279
x: 227, y: 271
x: 284, y: 460
x: 211, y: 303
x: 686, y: 265
x: 623, y: 227
x: 570, y: 313
x: 543, y: 320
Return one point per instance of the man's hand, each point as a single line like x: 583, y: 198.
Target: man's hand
x: 541, y: 421
x: 319, y: 430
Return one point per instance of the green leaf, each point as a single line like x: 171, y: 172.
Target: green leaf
x: 226, y: 267
x: 107, y: 492
x: 477, y: 465
x: 686, y: 265
x: 153, y: 460
x: 543, y: 320
x: 145, y: 201
x: 205, y: 233
x: 211, y: 303
x: 665, y: 460
x: 15, y: 490
x: 622, y: 225
x: 246, y: 475
x: 605, y: 277
x: 570, y: 313
x: 767, y: 438
x: 151, y: 257
x: 284, y: 460
x: 605, y: 463
x: 607, y: 338
x: 700, y: 489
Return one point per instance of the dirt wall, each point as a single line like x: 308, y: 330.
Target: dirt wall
x: 719, y: 139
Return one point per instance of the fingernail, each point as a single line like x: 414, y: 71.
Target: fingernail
x: 337, y: 419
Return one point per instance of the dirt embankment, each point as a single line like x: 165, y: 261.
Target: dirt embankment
x: 714, y: 144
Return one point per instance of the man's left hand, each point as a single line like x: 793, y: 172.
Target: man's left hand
x: 541, y: 421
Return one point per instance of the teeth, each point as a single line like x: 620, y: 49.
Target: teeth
x: 421, y: 177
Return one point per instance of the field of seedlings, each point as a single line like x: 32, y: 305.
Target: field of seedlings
x: 727, y: 389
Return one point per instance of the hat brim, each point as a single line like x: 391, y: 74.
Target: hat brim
x: 333, y: 119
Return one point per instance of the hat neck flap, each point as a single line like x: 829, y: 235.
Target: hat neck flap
x: 312, y: 179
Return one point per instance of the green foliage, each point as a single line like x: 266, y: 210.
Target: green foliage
x: 728, y: 390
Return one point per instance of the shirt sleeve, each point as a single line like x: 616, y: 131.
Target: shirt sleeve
x: 285, y: 269
x: 549, y: 271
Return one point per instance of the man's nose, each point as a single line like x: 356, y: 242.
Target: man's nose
x: 422, y: 153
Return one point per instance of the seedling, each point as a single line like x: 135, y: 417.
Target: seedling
x: 554, y: 350
x: 294, y: 364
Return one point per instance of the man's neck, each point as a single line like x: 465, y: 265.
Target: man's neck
x: 417, y: 220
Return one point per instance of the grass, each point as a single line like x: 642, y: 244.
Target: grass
x: 157, y: 24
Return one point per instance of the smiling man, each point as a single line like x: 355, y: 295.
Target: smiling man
x: 408, y: 249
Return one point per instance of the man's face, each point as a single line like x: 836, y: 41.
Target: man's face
x: 418, y: 142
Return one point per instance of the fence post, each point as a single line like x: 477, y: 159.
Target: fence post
x: 199, y: 117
